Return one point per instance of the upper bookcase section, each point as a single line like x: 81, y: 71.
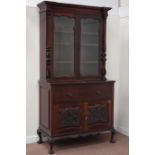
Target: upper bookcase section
x: 72, y: 42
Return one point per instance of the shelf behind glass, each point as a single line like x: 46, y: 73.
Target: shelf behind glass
x: 64, y: 31
x: 89, y: 62
x: 63, y: 62
x: 63, y: 44
x: 89, y: 44
x: 88, y: 33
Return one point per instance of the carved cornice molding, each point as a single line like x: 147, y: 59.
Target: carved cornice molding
x: 104, y: 12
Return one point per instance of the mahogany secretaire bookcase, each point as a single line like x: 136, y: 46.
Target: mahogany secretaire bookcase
x: 76, y: 99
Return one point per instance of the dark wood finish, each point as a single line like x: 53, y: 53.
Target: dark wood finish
x: 78, y: 105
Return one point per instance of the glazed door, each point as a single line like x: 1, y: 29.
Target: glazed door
x: 89, y: 47
x: 69, y: 118
x: 64, y: 46
x: 99, y: 115
x: 76, y: 47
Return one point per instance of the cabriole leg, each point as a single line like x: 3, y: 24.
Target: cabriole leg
x: 113, y: 132
x: 51, y: 146
x: 40, y: 137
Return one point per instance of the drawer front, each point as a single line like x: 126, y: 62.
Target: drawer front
x: 65, y: 93
x: 82, y: 92
x: 96, y: 92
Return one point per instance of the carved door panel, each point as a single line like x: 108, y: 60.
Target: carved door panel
x: 69, y: 118
x: 99, y: 115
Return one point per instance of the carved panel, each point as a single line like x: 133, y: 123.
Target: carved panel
x: 97, y: 114
x: 69, y: 117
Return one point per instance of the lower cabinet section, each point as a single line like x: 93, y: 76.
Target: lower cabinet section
x: 75, y: 117
x: 68, y: 110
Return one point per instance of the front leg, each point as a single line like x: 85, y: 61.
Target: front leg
x: 50, y: 141
x: 40, y: 136
x: 113, y: 132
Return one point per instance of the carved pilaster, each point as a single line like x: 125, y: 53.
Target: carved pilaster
x: 48, y: 63
x: 103, y: 52
x: 103, y: 62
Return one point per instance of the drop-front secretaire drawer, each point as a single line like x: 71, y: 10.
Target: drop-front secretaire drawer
x: 79, y: 92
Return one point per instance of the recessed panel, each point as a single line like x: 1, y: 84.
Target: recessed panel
x: 44, y: 106
x: 97, y: 114
x: 69, y: 117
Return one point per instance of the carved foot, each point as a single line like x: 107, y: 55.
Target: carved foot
x: 113, y: 132
x: 51, y: 147
x: 40, y: 137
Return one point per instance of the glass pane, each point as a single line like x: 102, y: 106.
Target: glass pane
x: 63, y: 69
x: 89, y: 47
x: 63, y: 46
x: 89, y: 68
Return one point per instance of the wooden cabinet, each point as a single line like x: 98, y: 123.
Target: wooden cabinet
x: 75, y: 97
